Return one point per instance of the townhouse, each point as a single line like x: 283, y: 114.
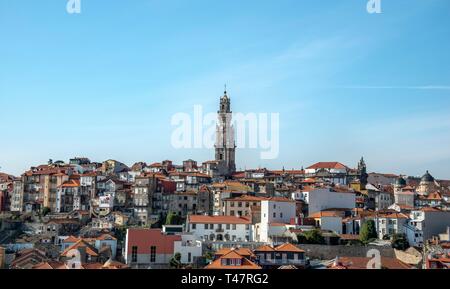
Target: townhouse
x: 425, y: 223
x: 220, y: 228
x: 149, y: 248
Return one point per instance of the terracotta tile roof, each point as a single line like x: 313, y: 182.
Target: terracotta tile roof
x: 288, y: 247
x: 321, y: 214
x: 145, y: 238
x: 265, y: 248
x: 245, y: 263
x: 201, y: 219
x: 90, y: 250
x: 245, y: 252
x: 71, y: 184
x: 436, y: 196
x: 280, y: 199
x: 328, y: 165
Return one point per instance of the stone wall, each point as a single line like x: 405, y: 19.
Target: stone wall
x: 325, y: 252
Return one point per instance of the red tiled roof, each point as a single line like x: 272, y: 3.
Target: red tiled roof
x: 288, y: 247
x: 325, y: 214
x: 245, y: 263
x: 90, y: 250
x: 145, y: 238
x: 71, y: 184
x: 328, y: 165
x: 241, y: 251
x: 280, y: 199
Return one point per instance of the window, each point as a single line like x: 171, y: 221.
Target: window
x: 194, y: 226
x: 232, y: 213
x: 189, y: 257
x: 274, y: 215
x: 232, y: 204
x: 228, y: 226
x: 211, y: 226
x: 134, y: 254
x: 240, y: 204
x: 281, y: 215
x: 206, y: 226
x: 234, y: 226
x: 152, y: 254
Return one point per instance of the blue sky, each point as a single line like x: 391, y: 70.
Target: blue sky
x: 105, y: 83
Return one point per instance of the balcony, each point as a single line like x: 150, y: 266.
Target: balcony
x: 220, y: 230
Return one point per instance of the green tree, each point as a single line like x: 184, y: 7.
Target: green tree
x: 209, y: 255
x: 368, y: 232
x: 400, y: 242
x: 45, y: 211
x: 175, y: 262
x: 173, y: 219
x: 311, y: 237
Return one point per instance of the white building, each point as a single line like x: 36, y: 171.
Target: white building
x: 220, y: 228
x: 389, y: 223
x: 329, y: 220
x: 333, y: 172
x: 274, y: 211
x: 189, y: 247
x: 327, y: 198
x: 424, y: 224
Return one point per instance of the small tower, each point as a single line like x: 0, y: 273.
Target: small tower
x: 225, y: 144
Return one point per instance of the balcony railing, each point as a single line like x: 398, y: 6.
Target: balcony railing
x: 220, y: 230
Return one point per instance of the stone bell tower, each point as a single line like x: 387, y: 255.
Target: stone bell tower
x: 225, y: 143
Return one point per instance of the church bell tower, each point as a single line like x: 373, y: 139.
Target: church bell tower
x: 225, y: 143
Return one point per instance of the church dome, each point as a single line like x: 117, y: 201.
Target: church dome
x: 427, y: 177
x: 400, y: 182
